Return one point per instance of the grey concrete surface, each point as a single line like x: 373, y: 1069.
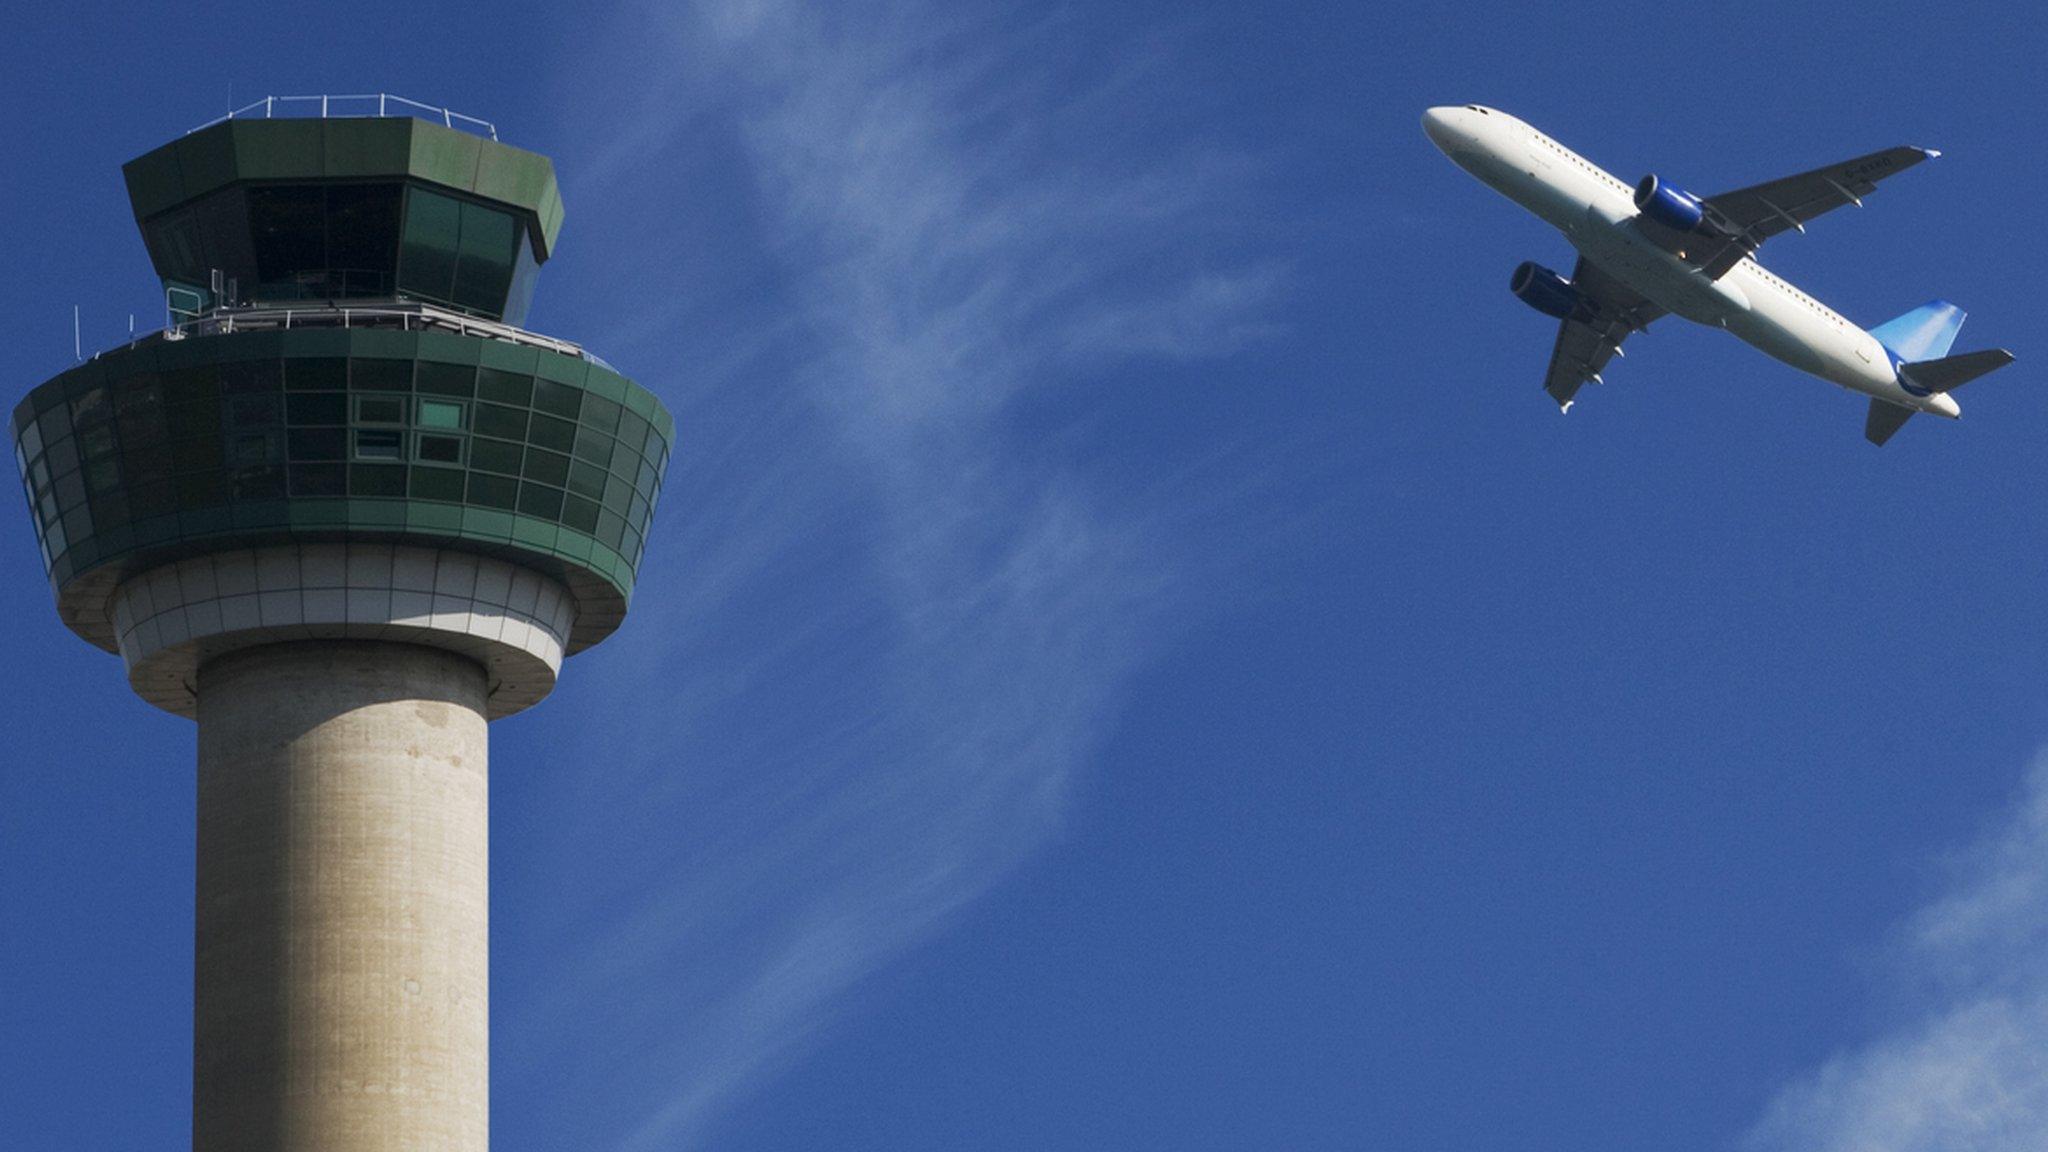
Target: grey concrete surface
x: 342, y: 965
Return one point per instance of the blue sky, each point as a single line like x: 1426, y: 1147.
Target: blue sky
x: 1129, y: 658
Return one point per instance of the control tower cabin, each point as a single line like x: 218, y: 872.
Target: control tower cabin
x: 343, y: 511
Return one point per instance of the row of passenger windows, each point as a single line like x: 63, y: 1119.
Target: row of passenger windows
x: 1572, y: 157
x: 1815, y: 306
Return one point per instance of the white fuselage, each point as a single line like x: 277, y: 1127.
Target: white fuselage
x: 1596, y: 212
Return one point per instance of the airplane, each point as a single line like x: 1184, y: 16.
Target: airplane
x: 1655, y: 249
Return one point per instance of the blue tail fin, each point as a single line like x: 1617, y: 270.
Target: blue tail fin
x: 1925, y: 333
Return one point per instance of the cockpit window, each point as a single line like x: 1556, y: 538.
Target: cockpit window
x: 1477, y: 108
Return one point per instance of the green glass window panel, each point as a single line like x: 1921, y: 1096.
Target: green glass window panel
x: 540, y: 500
x: 317, y: 408
x: 377, y: 445
x: 440, y: 414
x: 380, y: 375
x: 611, y: 528
x: 483, y: 275
x: 557, y: 399
x: 618, y: 498
x: 445, y: 379
x: 580, y: 514
x: 252, y: 449
x: 648, y: 483
x: 254, y: 411
x: 374, y: 445
x: 362, y: 237
x: 547, y: 467
x: 376, y: 480
x: 494, y: 456
x: 498, y: 420
x: 78, y: 524
x: 251, y: 484
x: 319, y: 480
x: 197, y: 453
x: 525, y: 272
x: 110, y: 511
x: 198, y: 489
x: 633, y: 431
x: 288, y: 225
x: 601, y: 413
x: 102, y: 477
x: 57, y: 421
x: 593, y: 446
x: 174, y: 248
x: 193, y: 386
x: 187, y: 420
x: 380, y: 409
x: 549, y: 432
x: 318, y: 444
x: 586, y: 480
x: 139, y: 458
x: 437, y: 484
x: 316, y: 374
x: 96, y: 441
x: 440, y: 449
x: 144, y: 430
x: 250, y: 376
x: 504, y: 387
x: 493, y: 491
x: 430, y: 244
x: 637, y: 514
x: 62, y: 455
x: 91, y: 406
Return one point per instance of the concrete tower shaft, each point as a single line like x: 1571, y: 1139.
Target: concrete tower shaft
x: 341, y: 976
x: 343, y: 511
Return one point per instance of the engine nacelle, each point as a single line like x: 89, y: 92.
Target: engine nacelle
x: 1544, y: 290
x: 1671, y: 207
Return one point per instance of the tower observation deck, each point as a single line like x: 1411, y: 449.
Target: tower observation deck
x: 343, y: 510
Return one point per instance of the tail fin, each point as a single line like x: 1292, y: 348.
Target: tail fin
x: 1925, y: 333
x: 1952, y: 372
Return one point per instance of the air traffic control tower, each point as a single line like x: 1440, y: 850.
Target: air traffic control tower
x: 343, y: 511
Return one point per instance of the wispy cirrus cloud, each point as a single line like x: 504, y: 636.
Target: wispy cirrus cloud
x: 898, y: 622
x: 1971, y: 1071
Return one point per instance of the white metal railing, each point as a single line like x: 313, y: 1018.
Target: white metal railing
x: 333, y: 107
x: 406, y: 315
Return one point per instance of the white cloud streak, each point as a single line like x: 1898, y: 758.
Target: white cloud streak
x: 1970, y: 1074
x: 898, y: 624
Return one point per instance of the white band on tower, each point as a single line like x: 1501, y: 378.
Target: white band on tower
x: 510, y: 619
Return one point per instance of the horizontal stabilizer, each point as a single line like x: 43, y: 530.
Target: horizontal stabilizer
x: 1952, y: 372
x: 1925, y: 333
x: 1885, y: 418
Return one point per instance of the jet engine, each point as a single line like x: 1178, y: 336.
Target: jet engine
x: 1673, y: 208
x: 1544, y: 290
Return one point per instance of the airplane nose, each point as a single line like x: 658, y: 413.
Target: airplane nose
x: 1436, y: 123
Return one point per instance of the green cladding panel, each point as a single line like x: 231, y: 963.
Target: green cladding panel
x: 173, y: 448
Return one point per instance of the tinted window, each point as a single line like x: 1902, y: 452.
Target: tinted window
x: 432, y: 239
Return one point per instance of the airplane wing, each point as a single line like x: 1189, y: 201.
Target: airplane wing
x: 1586, y: 341
x: 1747, y: 217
